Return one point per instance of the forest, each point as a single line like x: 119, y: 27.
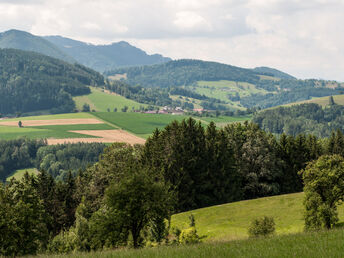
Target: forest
x: 304, y: 118
x: 57, y: 160
x: 129, y: 195
x: 31, y: 82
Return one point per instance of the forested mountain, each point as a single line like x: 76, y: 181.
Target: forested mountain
x: 105, y: 57
x: 272, y: 72
x: 234, y: 87
x: 30, y: 81
x: 184, y: 72
x: 304, y: 118
x: 25, y: 41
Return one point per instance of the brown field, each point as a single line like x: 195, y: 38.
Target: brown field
x: 106, y: 136
x: 72, y: 121
x: 118, y: 76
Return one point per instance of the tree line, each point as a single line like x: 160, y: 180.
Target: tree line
x: 129, y: 195
x: 57, y: 160
x: 303, y: 118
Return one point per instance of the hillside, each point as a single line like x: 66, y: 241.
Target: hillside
x: 306, y: 118
x: 226, y: 86
x: 105, y: 57
x: 31, y: 82
x: 25, y: 41
x: 272, y: 72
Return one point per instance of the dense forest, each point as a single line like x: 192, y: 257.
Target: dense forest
x: 31, y: 82
x: 128, y: 196
x: 304, y: 118
x: 57, y: 160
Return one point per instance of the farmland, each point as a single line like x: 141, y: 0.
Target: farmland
x: 140, y: 124
x: 101, y: 101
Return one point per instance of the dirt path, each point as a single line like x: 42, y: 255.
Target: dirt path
x: 71, y: 121
x: 107, y: 136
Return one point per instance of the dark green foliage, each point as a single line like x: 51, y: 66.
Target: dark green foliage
x: 57, y: 160
x: 262, y: 227
x: 272, y: 72
x: 86, y: 108
x: 198, y: 163
x: 17, y: 154
x: 22, y: 219
x: 31, y: 82
x: 304, y: 118
x: 324, y: 190
x: 139, y: 199
x: 184, y: 72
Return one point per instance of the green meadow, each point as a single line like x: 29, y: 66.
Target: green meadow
x: 102, y: 101
x: 138, y: 123
x: 50, y: 131
x: 225, y: 230
x: 18, y: 174
x: 52, y: 117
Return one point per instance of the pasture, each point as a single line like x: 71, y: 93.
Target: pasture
x: 322, y: 101
x: 100, y: 100
x: 18, y: 174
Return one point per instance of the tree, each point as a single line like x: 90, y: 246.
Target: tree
x: 139, y: 199
x: 86, y: 108
x: 124, y: 109
x: 331, y: 101
x: 20, y: 124
x: 324, y: 190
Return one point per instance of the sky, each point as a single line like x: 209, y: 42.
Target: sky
x: 302, y: 37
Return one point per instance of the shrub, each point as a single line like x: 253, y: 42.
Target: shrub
x: 262, y: 227
x: 189, y: 236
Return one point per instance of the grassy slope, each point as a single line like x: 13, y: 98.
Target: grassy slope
x: 313, y: 244
x: 230, y: 221
x: 323, y: 101
x: 101, y: 101
x: 18, y: 174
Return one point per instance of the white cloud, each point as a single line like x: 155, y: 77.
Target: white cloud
x: 303, y: 37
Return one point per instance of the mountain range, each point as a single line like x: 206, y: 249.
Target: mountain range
x: 97, y: 57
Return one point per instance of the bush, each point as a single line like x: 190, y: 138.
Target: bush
x: 262, y: 227
x: 189, y: 236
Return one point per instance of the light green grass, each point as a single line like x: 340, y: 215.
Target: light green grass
x: 138, y: 123
x: 50, y: 131
x: 323, y: 101
x: 269, y: 78
x: 231, y: 221
x: 102, y: 101
x: 313, y: 244
x: 51, y: 117
x: 18, y: 174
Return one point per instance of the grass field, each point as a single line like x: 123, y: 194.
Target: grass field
x: 312, y: 244
x: 226, y: 226
x: 140, y: 124
x: 52, y: 117
x: 50, y: 131
x: 230, y: 221
x: 101, y: 101
x: 323, y: 101
x: 18, y: 174
x: 226, y: 119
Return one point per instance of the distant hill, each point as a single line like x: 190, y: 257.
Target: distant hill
x: 25, y: 41
x: 31, y: 82
x: 184, y: 72
x: 105, y: 57
x: 225, y: 86
x: 272, y: 72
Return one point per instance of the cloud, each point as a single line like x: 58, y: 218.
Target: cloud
x: 302, y: 37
